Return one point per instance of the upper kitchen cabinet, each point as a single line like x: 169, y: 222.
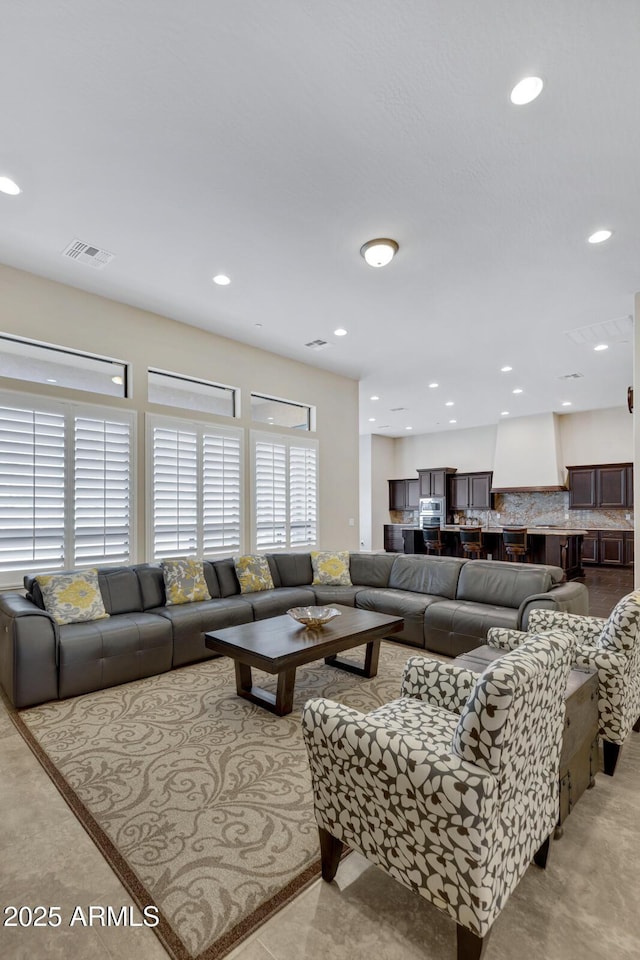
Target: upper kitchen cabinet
x: 605, y: 485
x: 404, y: 494
x: 433, y: 483
x: 470, y: 491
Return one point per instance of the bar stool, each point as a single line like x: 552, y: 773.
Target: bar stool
x: 432, y: 540
x: 471, y: 542
x: 514, y: 540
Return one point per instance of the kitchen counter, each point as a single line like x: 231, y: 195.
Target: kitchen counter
x: 531, y: 531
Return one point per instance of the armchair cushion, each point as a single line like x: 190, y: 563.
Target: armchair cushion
x: 441, y: 684
x: 501, y: 638
x: 620, y: 631
x: 585, y: 629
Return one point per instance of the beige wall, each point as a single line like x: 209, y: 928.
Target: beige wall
x: 597, y: 436
x: 40, y: 309
x: 383, y: 468
x: 467, y: 450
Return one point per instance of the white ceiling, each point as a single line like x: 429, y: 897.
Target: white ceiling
x: 269, y: 139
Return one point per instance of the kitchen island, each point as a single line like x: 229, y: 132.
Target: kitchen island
x: 558, y: 546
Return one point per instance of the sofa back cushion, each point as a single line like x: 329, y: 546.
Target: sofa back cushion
x: 226, y: 573
x: 371, y: 569
x: 290, y: 569
x: 152, y: 587
x: 504, y: 584
x: 437, y: 576
x: 119, y: 587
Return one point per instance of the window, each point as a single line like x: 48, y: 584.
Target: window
x: 66, y: 482
x: 196, y: 488
x: 45, y: 363
x: 282, y: 413
x: 178, y: 391
x: 285, y: 491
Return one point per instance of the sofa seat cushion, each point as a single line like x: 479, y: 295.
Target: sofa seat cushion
x: 190, y: 621
x: 334, y: 593
x: 453, y: 627
x: 274, y: 603
x: 399, y: 603
x: 102, y: 653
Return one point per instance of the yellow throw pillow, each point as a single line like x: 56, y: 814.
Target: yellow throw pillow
x: 184, y: 581
x: 331, y: 568
x: 72, y: 597
x: 253, y: 573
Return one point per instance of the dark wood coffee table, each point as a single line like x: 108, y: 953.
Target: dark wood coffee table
x: 279, y: 645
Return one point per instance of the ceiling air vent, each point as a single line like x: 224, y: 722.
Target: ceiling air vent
x: 571, y: 376
x: 317, y: 344
x: 607, y: 331
x: 396, y: 409
x: 85, y: 253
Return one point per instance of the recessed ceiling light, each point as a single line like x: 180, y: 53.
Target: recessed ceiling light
x: 222, y: 279
x: 449, y: 403
x: 599, y: 236
x: 378, y: 253
x: 374, y: 398
x: 526, y: 91
x: 408, y: 428
x: 340, y: 332
x: 270, y: 419
x: 372, y: 419
x: 9, y: 186
x: 51, y: 381
x: 517, y: 390
x: 566, y: 403
x: 432, y: 386
x: 117, y: 380
x: 601, y: 346
x: 505, y: 413
x: 453, y: 421
x: 505, y: 369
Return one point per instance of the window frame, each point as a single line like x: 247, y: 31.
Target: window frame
x: 288, y: 440
x: 70, y: 410
x: 199, y: 381
x: 153, y: 420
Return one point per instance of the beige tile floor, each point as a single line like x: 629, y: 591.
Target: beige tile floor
x: 585, y: 905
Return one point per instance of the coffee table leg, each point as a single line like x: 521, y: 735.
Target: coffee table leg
x: 280, y: 704
x: 370, y: 666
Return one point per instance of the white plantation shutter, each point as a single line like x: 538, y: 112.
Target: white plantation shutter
x: 285, y: 492
x: 32, y: 490
x: 196, y: 476
x: 102, y: 491
x: 220, y: 493
x: 66, y: 473
x: 303, y: 491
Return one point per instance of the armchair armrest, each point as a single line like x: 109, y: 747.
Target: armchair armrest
x: 502, y: 638
x: 441, y: 684
x: 351, y: 753
x: 596, y: 658
x: 584, y: 628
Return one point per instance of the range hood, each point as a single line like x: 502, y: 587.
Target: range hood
x: 528, y: 455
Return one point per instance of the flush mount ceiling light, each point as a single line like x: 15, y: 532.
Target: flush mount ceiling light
x: 526, y: 91
x: 9, y: 186
x: 222, y: 279
x: 599, y: 236
x: 378, y: 253
x: 340, y: 332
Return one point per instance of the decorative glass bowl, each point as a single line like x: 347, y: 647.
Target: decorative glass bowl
x: 313, y: 616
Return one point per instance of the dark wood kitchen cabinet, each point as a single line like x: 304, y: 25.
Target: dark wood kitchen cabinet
x: 470, y: 491
x: 590, y: 547
x: 608, y: 485
x: 612, y: 547
x: 628, y: 548
x: 393, y: 539
x: 433, y: 483
x: 403, y: 494
x: 608, y: 547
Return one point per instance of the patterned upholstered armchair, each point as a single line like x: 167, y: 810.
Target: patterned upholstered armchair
x: 612, y: 648
x: 452, y: 789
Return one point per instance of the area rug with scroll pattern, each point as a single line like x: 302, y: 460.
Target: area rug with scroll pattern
x: 200, y: 801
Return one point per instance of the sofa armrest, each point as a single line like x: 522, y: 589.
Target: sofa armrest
x: 441, y: 684
x: 502, y: 638
x: 28, y: 651
x: 586, y: 629
x: 569, y: 597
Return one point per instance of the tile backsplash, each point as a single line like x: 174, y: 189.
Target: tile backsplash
x: 527, y: 509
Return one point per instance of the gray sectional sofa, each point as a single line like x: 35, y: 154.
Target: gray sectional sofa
x: 447, y: 605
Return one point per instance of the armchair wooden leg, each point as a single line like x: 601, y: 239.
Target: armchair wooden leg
x: 636, y: 726
x: 470, y: 946
x: 610, y: 752
x: 330, y: 850
x: 540, y: 856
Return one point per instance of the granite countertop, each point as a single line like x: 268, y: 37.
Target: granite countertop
x: 544, y: 531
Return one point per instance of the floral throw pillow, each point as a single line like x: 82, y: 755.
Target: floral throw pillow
x: 331, y: 568
x: 253, y: 573
x: 184, y: 580
x: 72, y: 597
